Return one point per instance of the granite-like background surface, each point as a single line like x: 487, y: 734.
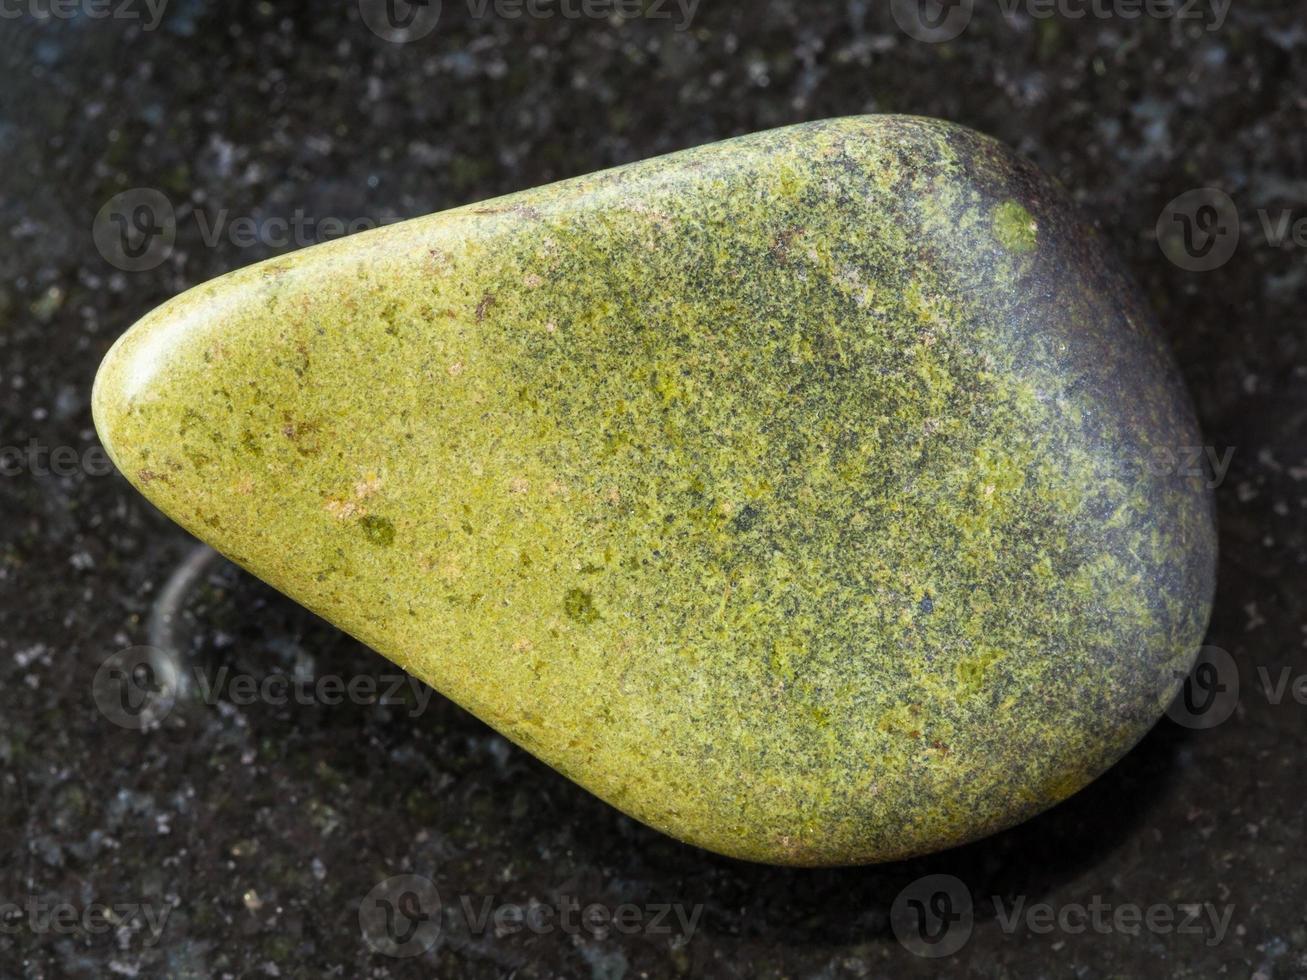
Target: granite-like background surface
x: 263, y: 826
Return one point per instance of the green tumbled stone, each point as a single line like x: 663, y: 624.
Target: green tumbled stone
x: 796, y: 494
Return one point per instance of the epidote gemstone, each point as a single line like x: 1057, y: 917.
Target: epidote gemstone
x: 796, y: 494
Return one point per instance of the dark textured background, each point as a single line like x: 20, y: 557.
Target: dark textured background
x: 266, y: 825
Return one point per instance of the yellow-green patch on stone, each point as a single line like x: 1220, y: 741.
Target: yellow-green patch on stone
x: 1015, y: 228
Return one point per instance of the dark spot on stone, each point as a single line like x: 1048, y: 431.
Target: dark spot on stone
x: 483, y: 307
x: 927, y: 604
x: 746, y: 519
x: 378, y: 530
x: 780, y: 248
x: 304, y: 435
x: 578, y: 606
x: 190, y: 418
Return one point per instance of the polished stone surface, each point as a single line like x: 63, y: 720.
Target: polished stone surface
x: 796, y: 494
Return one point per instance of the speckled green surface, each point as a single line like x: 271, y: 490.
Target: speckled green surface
x: 793, y: 494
